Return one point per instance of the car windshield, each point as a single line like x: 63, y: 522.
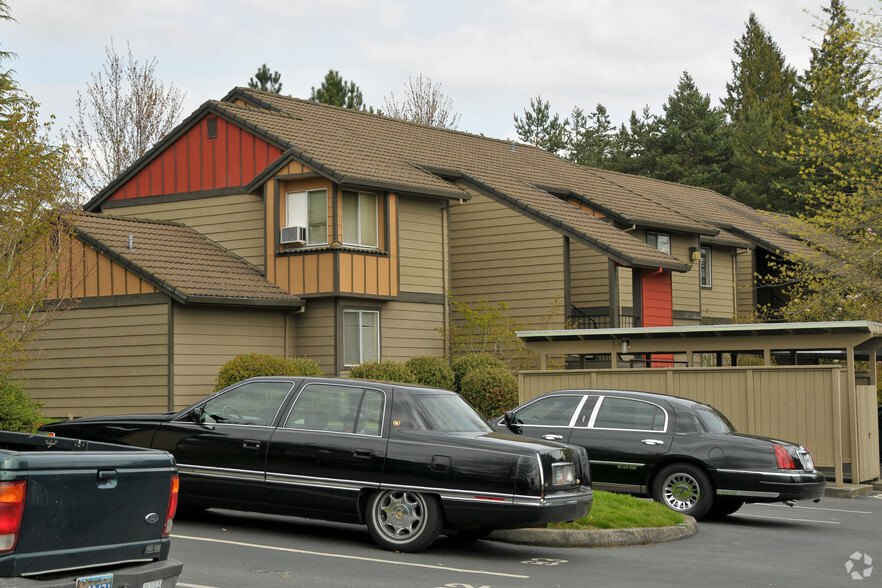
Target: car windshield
x: 714, y: 420
x: 446, y: 412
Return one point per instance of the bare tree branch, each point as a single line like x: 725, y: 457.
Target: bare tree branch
x: 424, y: 103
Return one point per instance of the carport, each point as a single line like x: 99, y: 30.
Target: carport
x: 816, y: 395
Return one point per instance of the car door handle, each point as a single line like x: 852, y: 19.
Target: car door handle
x: 363, y: 453
x: 652, y: 442
x: 251, y: 444
x: 552, y: 437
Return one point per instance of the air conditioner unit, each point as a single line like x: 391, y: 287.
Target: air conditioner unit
x: 293, y: 236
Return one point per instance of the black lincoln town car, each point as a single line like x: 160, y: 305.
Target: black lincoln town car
x: 409, y: 462
x: 684, y: 454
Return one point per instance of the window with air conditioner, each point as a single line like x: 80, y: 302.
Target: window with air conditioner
x: 360, y: 219
x: 309, y: 211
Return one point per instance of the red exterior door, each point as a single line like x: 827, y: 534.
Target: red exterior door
x: 658, y: 308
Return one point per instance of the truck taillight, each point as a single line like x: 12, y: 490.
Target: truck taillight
x: 785, y: 462
x: 172, y: 505
x: 12, y: 499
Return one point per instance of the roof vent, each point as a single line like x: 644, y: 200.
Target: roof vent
x: 513, y: 150
x: 131, y: 242
x: 212, y: 127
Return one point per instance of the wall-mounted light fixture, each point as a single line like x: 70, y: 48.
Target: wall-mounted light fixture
x: 695, y: 254
x: 626, y: 344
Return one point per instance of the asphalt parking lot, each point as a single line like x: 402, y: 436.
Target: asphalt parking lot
x: 832, y: 543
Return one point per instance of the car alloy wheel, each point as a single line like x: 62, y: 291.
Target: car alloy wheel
x: 404, y: 521
x: 684, y: 488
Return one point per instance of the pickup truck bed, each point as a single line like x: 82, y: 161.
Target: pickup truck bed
x: 82, y: 514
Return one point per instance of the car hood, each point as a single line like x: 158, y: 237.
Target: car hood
x: 134, y: 429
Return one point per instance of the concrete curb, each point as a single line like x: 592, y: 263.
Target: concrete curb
x: 596, y: 538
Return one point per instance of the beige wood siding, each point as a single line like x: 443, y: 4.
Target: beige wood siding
x: 589, y: 277
x: 502, y: 255
x: 744, y: 282
x: 102, y: 361
x: 685, y: 285
x: 206, y: 338
x: 314, y: 334
x: 235, y: 222
x: 410, y: 329
x: 626, y: 288
x: 421, y: 245
x: 718, y: 301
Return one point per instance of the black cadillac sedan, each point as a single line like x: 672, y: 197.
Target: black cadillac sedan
x: 409, y: 462
x: 684, y: 454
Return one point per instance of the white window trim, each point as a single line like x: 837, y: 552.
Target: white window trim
x: 708, y: 265
x: 657, y: 235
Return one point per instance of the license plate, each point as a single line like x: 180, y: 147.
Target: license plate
x: 105, y: 581
x: 563, y: 473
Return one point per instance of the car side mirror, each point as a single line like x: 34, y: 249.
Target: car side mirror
x: 197, y: 415
x: 511, y: 421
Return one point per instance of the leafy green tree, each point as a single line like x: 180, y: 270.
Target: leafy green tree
x: 266, y: 80
x: 37, y: 185
x: 338, y: 92
x: 838, y: 149
x: 760, y: 102
x: 539, y: 127
x: 692, y: 143
x: 591, y: 138
x: 423, y: 103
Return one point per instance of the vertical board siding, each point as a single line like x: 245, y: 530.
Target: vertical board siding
x: 85, y: 273
x: 122, y: 371
x: 234, y: 222
x: 193, y: 162
x: 411, y: 329
x: 206, y: 338
x: 315, y: 334
x: 421, y: 243
x: 501, y: 255
x: 791, y: 403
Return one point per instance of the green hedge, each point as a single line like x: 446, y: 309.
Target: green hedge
x: 468, y: 362
x: 430, y: 370
x: 491, y: 391
x: 252, y: 365
x: 18, y: 411
x: 384, y: 371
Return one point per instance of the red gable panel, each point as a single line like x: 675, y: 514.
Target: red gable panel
x: 195, y: 162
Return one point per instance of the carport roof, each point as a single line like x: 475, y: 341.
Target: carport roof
x: 857, y: 335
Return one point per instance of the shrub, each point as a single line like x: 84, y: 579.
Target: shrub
x: 429, y: 370
x: 252, y: 365
x: 473, y: 361
x: 386, y: 371
x: 18, y: 411
x: 490, y: 391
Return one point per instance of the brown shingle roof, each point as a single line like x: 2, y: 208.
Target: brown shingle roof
x: 181, y: 261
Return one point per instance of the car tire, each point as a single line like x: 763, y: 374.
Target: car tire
x: 684, y: 488
x: 401, y: 520
x: 723, y: 509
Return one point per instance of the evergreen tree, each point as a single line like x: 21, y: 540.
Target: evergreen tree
x: 338, y: 92
x: 538, y: 127
x: 634, y: 145
x: 591, y: 137
x: 760, y: 104
x: 266, y: 80
x: 692, y: 144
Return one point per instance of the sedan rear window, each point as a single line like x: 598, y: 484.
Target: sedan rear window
x: 446, y: 412
x: 632, y: 415
x: 714, y: 420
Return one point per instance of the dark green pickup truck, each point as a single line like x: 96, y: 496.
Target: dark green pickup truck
x: 81, y: 514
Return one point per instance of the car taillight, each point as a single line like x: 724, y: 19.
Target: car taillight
x: 172, y: 505
x: 12, y: 499
x: 785, y: 462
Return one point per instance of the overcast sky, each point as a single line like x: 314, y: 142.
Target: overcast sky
x: 490, y: 56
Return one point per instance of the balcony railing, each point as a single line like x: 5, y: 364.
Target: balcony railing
x: 578, y: 319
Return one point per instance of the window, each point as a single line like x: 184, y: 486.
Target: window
x: 554, y: 411
x: 341, y: 409
x: 704, y: 267
x: 361, y: 336
x: 661, y: 241
x: 309, y: 209
x: 255, y: 403
x: 633, y: 415
x: 360, y: 219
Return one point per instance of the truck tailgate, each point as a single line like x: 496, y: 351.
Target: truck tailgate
x: 91, y: 508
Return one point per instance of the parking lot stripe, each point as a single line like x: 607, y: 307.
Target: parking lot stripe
x: 817, y: 508
x: 755, y: 516
x: 354, y: 557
